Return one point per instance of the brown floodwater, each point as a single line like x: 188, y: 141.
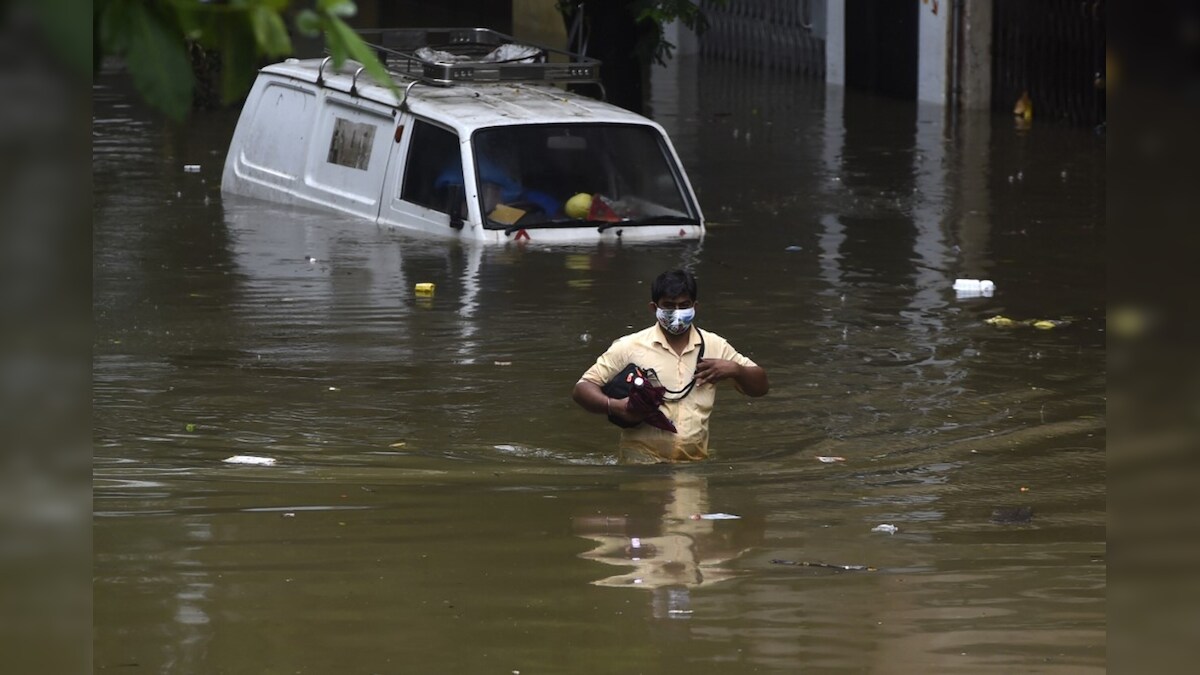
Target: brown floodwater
x: 438, y: 503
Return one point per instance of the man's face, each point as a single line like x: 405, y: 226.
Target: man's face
x: 677, y: 302
x: 675, y: 314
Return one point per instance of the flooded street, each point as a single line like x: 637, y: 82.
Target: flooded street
x: 440, y: 505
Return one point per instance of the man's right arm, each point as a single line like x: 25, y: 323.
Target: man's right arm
x: 590, y: 397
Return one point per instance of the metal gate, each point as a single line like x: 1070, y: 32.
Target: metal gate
x: 787, y: 35
x: 1053, y: 49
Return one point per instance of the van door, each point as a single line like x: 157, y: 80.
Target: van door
x: 426, y: 183
x: 268, y: 153
x: 347, y: 159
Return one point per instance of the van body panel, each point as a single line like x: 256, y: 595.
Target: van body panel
x: 267, y: 156
x: 348, y: 155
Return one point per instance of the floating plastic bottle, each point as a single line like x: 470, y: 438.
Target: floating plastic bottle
x: 967, y: 288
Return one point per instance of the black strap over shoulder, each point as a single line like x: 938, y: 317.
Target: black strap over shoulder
x: 687, y: 389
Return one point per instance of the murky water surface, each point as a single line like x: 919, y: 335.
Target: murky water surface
x: 440, y: 505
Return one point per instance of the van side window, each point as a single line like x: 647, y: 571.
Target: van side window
x: 433, y: 174
x: 351, y: 143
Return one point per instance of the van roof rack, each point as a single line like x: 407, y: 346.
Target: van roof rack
x: 449, y: 56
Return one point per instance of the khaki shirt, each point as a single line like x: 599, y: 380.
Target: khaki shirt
x: 649, y: 349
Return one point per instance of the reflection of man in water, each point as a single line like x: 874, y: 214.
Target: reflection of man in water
x: 671, y: 553
x: 671, y: 348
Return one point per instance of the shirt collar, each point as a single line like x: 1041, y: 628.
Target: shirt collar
x: 660, y: 338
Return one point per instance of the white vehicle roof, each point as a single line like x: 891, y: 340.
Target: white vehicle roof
x: 469, y: 106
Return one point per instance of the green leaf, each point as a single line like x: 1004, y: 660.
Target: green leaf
x: 158, y: 62
x: 115, y: 22
x: 337, y: 48
x: 238, y: 60
x: 270, y: 32
x: 200, y: 24
x: 342, y: 38
x: 309, y: 23
x: 337, y: 8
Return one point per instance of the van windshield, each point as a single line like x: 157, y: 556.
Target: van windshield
x: 551, y: 175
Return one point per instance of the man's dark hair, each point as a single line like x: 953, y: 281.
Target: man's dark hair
x: 673, y: 284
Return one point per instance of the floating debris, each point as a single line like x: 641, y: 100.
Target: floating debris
x: 886, y: 527
x: 715, y: 516
x: 1023, y: 108
x: 794, y: 249
x: 974, y: 288
x: 1041, y: 324
x: 1048, y: 324
x: 191, y: 168
x: 831, y: 566
x: 830, y: 460
x: 250, y: 459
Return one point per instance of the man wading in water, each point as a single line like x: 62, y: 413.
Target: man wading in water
x: 677, y: 352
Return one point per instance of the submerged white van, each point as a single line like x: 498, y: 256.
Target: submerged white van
x: 482, y: 145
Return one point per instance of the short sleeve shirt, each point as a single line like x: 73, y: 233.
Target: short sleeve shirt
x: 649, y: 349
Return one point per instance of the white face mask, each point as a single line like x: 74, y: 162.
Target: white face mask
x: 675, y: 321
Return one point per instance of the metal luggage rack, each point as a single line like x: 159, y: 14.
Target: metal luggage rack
x: 397, y: 47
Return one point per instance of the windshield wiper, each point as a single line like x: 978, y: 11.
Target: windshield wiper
x: 562, y: 222
x: 653, y: 220
x: 602, y: 225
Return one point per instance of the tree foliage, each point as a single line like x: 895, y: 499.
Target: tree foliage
x: 658, y: 13
x: 648, y: 18
x: 628, y: 36
x: 153, y: 38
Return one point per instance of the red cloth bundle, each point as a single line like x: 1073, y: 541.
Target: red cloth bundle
x: 647, y: 399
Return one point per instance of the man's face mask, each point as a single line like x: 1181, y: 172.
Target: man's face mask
x: 675, y: 321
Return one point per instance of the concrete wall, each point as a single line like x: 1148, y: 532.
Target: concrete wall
x: 835, y: 42
x: 975, y: 72
x: 933, y: 54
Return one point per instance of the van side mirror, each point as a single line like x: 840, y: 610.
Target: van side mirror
x: 454, y: 195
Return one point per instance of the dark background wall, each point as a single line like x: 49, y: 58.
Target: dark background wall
x: 496, y: 15
x: 881, y: 47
